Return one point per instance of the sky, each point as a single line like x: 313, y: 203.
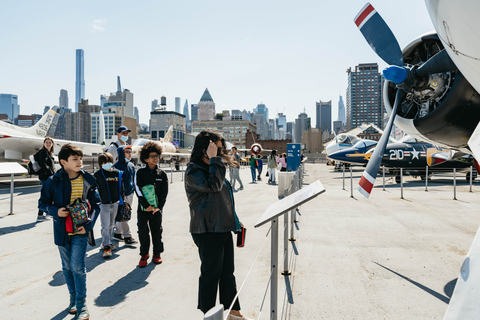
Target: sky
x: 285, y: 54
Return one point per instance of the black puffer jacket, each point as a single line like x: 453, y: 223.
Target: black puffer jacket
x: 209, y: 197
x: 47, y: 164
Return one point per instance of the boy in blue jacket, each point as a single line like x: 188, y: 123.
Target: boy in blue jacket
x: 122, y: 230
x: 61, y: 189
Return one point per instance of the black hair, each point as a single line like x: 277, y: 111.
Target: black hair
x: 104, y: 158
x: 149, y: 147
x: 67, y: 151
x: 202, y: 141
x: 274, y: 153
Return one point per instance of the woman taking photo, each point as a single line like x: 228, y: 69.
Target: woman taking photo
x: 212, y: 220
x: 47, y: 167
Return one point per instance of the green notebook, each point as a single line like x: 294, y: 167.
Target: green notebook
x: 149, y: 194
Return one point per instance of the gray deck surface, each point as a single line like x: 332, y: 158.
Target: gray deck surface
x: 354, y: 258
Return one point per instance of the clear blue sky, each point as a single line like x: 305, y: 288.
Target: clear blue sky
x: 286, y: 54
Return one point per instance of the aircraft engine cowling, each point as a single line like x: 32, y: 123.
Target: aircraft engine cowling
x: 443, y: 108
x: 256, y: 149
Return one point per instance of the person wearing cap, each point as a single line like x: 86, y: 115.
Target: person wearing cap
x: 122, y: 229
x: 122, y: 137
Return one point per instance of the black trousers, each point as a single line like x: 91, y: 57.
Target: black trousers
x: 148, y: 222
x: 216, y: 255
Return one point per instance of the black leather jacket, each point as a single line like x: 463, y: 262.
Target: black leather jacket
x: 209, y: 196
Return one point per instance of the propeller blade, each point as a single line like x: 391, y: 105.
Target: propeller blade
x: 367, y: 181
x: 378, y: 35
x: 439, y: 63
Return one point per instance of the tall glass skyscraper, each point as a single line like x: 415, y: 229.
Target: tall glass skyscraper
x: 9, y: 106
x: 79, y: 78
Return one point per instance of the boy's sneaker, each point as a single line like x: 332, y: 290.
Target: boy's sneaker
x: 157, y: 259
x: 42, y: 218
x: 107, y: 252
x: 129, y: 241
x: 143, y: 261
x: 112, y: 247
x: 117, y: 236
x: 241, y: 188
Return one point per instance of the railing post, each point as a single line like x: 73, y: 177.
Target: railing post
x: 343, y: 176
x: 285, y: 241
x: 454, y: 184
x: 471, y: 177
x: 171, y: 171
x: 182, y: 170
x: 426, y: 178
x: 351, y: 182
x: 401, y: 182
x: 383, y: 169
x: 11, y: 194
x: 274, y: 268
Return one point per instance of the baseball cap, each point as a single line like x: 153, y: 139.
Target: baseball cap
x: 122, y: 129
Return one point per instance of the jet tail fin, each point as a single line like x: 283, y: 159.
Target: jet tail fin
x: 41, y: 128
x: 169, y: 135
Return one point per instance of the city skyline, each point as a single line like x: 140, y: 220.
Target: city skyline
x: 276, y: 59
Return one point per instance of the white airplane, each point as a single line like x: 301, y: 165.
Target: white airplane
x: 169, y: 150
x: 18, y: 143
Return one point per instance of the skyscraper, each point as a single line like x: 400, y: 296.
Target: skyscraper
x: 194, y: 112
x: 206, y: 107
x: 364, y: 96
x: 302, y: 123
x: 341, y: 111
x: 261, y: 108
x: 177, y: 105
x: 63, y: 100
x: 324, y: 115
x: 9, y: 106
x: 79, y: 78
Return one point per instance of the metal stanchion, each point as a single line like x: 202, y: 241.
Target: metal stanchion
x: 383, y: 169
x: 274, y: 268
x: 471, y: 178
x: 401, y: 182
x: 426, y: 178
x: 293, y: 218
x: 183, y: 172
x: 454, y: 184
x: 11, y: 195
x: 171, y: 171
x: 351, y: 183
x: 285, y: 239
x: 343, y: 177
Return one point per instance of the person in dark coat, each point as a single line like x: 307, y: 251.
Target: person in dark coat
x: 212, y: 220
x: 47, y: 168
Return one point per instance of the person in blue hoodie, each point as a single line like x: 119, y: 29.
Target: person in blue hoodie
x: 122, y: 229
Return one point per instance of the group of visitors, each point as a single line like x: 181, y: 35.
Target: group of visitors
x: 273, y: 163
x: 210, y: 197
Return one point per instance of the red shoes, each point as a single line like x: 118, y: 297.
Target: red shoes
x: 143, y: 261
x: 157, y: 259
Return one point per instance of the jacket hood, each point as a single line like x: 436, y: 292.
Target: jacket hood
x: 121, y: 164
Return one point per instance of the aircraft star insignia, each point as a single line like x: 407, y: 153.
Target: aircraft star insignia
x: 414, y: 154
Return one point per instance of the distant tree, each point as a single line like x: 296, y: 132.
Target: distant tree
x: 219, y: 116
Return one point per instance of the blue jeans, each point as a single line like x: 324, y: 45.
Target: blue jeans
x: 40, y: 213
x: 254, y: 173
x: 73, y: 256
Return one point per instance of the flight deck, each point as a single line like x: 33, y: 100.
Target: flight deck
x: 353, y: 258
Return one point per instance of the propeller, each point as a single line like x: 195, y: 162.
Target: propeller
x: 383, y: 42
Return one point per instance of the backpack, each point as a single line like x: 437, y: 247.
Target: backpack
x: 33, y: 167
x: 107, y: 147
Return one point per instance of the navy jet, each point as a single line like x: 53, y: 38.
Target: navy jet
x: 411, y: 155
